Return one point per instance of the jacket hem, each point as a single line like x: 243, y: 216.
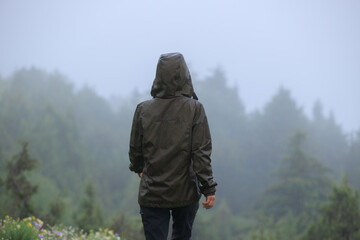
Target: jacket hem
x: 166, y: 204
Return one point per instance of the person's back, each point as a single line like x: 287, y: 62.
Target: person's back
x: 170, y: 148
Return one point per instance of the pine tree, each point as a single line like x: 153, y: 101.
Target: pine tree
x: 57, y: 207
x: 302, y: 184
x: 90, y: 216
x: 327, y: 140
x: 19, y: 188
x: 352, y: 161
x: 268, y: 138
x: 340, y: 217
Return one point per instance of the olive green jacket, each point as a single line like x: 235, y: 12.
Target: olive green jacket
x: 170, y: 140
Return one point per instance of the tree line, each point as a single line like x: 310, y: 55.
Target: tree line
x: 279, y: 170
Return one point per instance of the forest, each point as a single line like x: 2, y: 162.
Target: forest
x: 281, y: 173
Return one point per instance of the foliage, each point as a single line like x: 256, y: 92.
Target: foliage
x: 302, y: 183
x: 227, y: 120
x: 283, y: 229
x: 56, y: 212
x: 90, y: 215
x: 128, y: 227
x: 339, y: 218
x: 77, y: 135
x: 32, y: 228
x: 18, y: 186
x: 17, y: 230
x: 327, y: 141
x: 352, y: 160
x: 221, y: 223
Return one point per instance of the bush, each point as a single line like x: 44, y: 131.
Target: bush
x: 33, y: 229
x: 11, y: 229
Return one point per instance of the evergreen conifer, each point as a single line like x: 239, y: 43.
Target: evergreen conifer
x: 17, y: 184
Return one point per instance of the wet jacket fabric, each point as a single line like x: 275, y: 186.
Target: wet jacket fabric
x: 170, y: 141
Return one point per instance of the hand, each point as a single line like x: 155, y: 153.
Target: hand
x: 209, y: 203
x: 140, y: 175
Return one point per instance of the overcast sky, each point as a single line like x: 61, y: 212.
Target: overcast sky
x: 310, y: 47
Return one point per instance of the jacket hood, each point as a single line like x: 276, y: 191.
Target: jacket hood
x: 172, y: 77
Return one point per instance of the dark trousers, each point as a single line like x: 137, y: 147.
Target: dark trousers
x: 156, y: 222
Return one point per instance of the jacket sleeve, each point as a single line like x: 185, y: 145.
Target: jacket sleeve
x: 135, y: 152
x: 201, y: 151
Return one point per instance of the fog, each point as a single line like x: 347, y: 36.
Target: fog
x: 279, y: 81
x: 311, y: 48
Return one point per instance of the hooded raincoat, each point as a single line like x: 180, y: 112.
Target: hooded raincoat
x: 170, y: 140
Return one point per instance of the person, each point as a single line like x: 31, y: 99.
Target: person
x: 170, y: 148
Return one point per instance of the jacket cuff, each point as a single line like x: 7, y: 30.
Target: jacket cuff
x: 209, y: 191
x: 209, y: 194
x: 138, y: 170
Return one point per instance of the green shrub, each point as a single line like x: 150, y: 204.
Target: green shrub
x: 11, y: 229
x: 31, y: 228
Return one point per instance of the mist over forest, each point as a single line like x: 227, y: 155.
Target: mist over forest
x: 279, y: 170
